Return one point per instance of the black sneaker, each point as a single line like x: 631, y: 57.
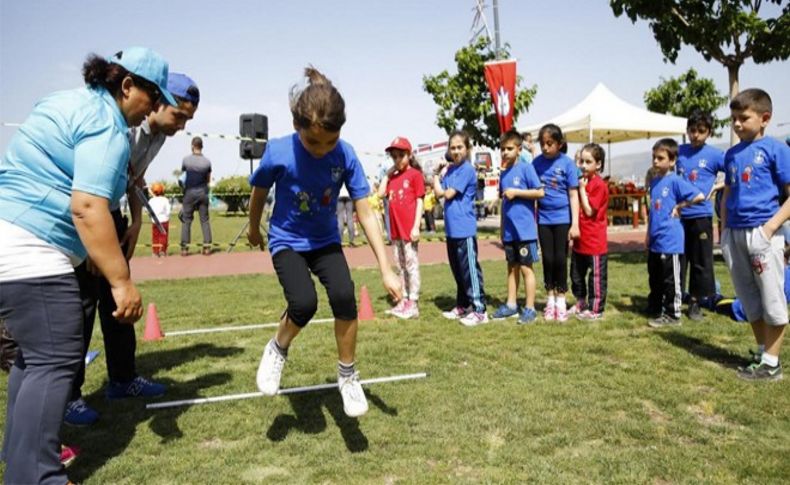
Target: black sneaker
x: 761, y: 372
x: 695, y: 312
x: 663, y: 321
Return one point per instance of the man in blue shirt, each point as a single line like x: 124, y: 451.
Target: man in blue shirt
x: 699, y: 164
x: 669, y: 194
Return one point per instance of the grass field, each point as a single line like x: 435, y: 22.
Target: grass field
x: 609, y: 401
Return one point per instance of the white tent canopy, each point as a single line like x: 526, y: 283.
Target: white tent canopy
x: 602, y: 117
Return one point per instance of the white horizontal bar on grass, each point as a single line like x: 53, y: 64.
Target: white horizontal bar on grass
x: 291, y: 390
x: 236, y: 328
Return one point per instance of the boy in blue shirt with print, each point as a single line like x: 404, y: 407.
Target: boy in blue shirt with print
x: 457, y: 184
x: 699, y: 164
x: 519, y: 187
x: 307, y: 169
x: 757, y: 174
x: 669, y: 194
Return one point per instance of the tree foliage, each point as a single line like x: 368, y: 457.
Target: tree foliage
x: 682, y: 95
x: 463, y: 99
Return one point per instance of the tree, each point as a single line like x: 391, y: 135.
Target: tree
x: 728, y: 31
x: 463, y: 99
x: 680, y: 96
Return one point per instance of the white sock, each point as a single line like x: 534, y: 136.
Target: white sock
x: 561, y: 301
x: 551, y: 300
x: 771, y: 360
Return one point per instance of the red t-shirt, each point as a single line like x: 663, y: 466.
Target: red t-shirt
x: 593, y: 229
x: 403, y: 190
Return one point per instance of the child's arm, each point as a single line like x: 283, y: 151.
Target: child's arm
x: 257, y: 203
x: 385, y: 180
x: 533, y: 194
x: 584, y: 200
x: 367, y: 219
x: 775, y: 222
x: 687, y: 203
x: 573, y: 195
x: 415, y: 231
x: 439, y: 192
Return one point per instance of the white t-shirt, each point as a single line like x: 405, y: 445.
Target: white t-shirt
x: 24, y: 256
x: 161, y: 207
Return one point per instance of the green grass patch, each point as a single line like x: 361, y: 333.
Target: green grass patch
x: 608, y: 401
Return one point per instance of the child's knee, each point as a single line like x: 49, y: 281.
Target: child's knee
x: 302, y: 309
x: 343, y: 302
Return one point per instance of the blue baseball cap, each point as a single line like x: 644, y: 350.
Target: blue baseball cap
x: 184, y: 87
x: 147, y: 64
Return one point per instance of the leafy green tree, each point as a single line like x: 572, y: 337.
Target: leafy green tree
x: 728, y: 31
x: 463, y: 99
x: 234, y: 191
x: 682, y: 95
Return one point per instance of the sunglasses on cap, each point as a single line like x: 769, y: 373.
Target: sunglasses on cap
x: 151, y: 89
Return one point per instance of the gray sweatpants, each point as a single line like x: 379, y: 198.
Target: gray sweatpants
x: 195, y: 198
x: 44, y: 316
x: 757, y: 270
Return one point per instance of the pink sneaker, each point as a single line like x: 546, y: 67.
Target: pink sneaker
x: 68, y: 454
x: 397, y: 308
x: 409, y: 310
x: 560, y: 313
x: 550, y: 312
x: 456, y: 313
x: 576, y: 309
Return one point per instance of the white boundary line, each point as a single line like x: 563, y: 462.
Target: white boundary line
x: 237, y: 327
x: 292, y: 390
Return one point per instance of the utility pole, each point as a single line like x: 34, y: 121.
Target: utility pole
x: 496, y: 28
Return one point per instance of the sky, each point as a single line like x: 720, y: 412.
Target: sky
x: 246, y: 55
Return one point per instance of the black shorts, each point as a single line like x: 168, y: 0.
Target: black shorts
x: 330, y: 266
x: 521, y: 252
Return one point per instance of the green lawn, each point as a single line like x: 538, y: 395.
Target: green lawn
x: 610, y: 401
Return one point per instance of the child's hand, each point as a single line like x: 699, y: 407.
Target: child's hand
x: 510, y: 194
x: 255, y: 237
x: 675, y: 211
x: 391, y: 283
x: 574, y: 233
x: 415, y: 234
x: 583, y: 182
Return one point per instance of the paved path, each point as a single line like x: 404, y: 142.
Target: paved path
x: 223, y: 264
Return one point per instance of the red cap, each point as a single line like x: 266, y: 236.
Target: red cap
x: 400, y: 143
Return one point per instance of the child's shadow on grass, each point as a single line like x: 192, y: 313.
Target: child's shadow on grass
x: 116, y: 427
x: 444, y: 302
x: 705, y: 350
x: 309, y: 418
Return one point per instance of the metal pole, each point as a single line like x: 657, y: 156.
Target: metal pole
x: 496, y: 28
x: 292, y: 390
x: 237, y: 327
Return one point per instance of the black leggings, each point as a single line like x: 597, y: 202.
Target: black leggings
x: 554, y: 246
x: 329, y: 265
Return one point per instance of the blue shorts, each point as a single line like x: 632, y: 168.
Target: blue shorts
x: 521, y: 252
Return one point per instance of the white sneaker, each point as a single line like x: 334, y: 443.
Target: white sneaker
x: 456, y: 313
x: 355, y: 403
x: 474, y: 319
x: 409, y: 310
x: 397, y: 308
x: 270, y: 370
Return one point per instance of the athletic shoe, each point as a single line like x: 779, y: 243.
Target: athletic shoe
x: 755, y: 356
x: 663, y: 321
x: 456, y: 313
x: 409, y: 310
x: 138, y: 387
x: 761, y: 372
x: 560, y: 313
x: 354, y: 402
x: 550, y: 312
x: 474, y: 319
x: 587, y: 315
x: 695, y: 312
x: 396, y: 308
x: 270, y: 370
x: 504, y: 312
x: 79, y: 414
x: 576, y: 309
x: 528, y: 315
x: 68, y: 454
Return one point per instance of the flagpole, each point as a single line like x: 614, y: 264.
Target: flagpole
x: 496, y: 27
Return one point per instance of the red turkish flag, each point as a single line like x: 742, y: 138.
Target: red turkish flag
x: 501, y: 80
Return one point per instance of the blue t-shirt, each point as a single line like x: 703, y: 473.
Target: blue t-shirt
x: 756, y: 173
x: 72, y: 140
x: 518, y: 215
x: 666, y: 232
x: 306, y: 190
x: 558, y: 176
x: 699, y: 166
x: 459, y: 212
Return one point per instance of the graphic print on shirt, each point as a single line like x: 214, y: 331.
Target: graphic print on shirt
x: 327, y: 197
x: 303, y: 198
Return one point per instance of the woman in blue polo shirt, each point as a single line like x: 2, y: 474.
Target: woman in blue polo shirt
x: 64, y: 167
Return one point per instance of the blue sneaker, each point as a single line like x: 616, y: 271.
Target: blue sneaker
x: 79, y: 414
x: 503, y: 312
x: 139, y: 387
x: 529, y: 315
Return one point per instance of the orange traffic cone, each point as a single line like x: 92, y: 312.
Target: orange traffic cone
x: 152, y: 329
x: 365, y: 308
